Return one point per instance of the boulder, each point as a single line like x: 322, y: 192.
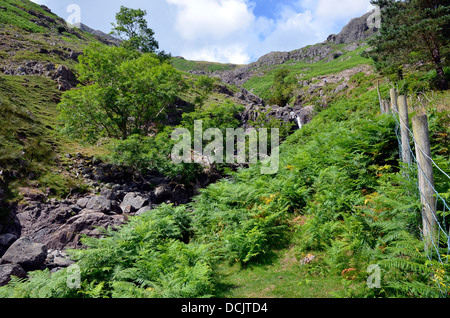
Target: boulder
x: 58, y: 259
x: 163, y: 193
x: 102, y: 204
x: 82, y: 202
x: 132, y: 202
x: 6, y: 240
x: 29, y: 255
x: 8, y: 270
x: 108, y: 194
x: 88, y: 222
x: 144, y: 209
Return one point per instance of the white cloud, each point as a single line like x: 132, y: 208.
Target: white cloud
x: 329, y: 15
x: 290, y: 31
x: 213, y: 30
x: 342, y: 9
x: 226, y: 30
x: 232, y: 53
x: 212, y: 19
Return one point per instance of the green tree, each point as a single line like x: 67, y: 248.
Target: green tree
x: 413, y: 31
x: 124, y: 92
x: 132, y: 28
x: 204, y: 85
x: 281, y: 90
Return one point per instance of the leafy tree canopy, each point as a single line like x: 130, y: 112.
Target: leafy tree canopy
x: 413, y: 31
x: 124, y: 92
x: 132, y: 28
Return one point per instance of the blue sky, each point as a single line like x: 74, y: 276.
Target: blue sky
x: 227, y: 31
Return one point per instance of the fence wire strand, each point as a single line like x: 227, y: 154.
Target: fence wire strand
x: 441, y: 224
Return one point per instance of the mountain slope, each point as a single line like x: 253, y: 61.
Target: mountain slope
x: 350, y: 39
x: 316, y: 74
x: 38, y: 55
x: 336, y: 206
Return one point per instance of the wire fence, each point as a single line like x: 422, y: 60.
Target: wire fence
x: 437, y: 246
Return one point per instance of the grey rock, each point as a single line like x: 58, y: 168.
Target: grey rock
x: 340, y: 88
x: 8, y: 270
x: 126, y: 208
x: 7, y: 239
x: 82, y: 202
x: 144, y: 209
x: 75, y: 208
x: 88, y: 222
x: 62, y: 262
x: 101, y: 204
x: 26, y: 253
x: 58, y: 259
x: 163, y: 193
x: 105, y: 38
x: 134, y: 201
x: 108, y: 194
x: 357, y: 29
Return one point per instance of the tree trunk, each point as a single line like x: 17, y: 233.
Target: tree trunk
x: 442, y: 81
x: 436, y: 55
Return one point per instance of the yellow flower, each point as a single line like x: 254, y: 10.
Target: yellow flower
x: 269, y: 199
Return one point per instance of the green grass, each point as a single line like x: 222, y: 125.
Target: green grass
x: 30, y: 144
x: 300, y: 71
x: 186, y: 65
x: 284, y: 277
x: 17, y: 13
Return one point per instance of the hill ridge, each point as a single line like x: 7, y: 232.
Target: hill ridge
x: 352, y: 36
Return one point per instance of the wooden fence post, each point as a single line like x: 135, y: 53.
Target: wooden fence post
x: 386, y: 106
x: 404, y: 124
x: 394, y: 97
x: 426, y: 179
x: 379, y: 97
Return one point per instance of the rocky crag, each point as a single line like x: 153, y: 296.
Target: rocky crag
x: 353, y: 35
x: 40, y: 229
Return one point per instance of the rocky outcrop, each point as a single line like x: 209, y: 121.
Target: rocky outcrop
x: 26, y: 253
x: 43, y: 229
x: 301, y: 112
x: 87, y: 222
x: 356, y: 30
x: 64, y: 77
x: 40, y: 229
x: 61, y: 224
x: 8, y: 270
x: 298, y: 115
x: 102, y: 36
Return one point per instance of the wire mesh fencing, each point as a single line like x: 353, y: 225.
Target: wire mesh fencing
x: 421, y: 169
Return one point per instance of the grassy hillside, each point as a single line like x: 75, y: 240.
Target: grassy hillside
x: 28, y: 106
x: 199, y: 66
x: 34, y: 44
x: 25, y: 14
x: 339, y: 203
x: 305, y: 71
